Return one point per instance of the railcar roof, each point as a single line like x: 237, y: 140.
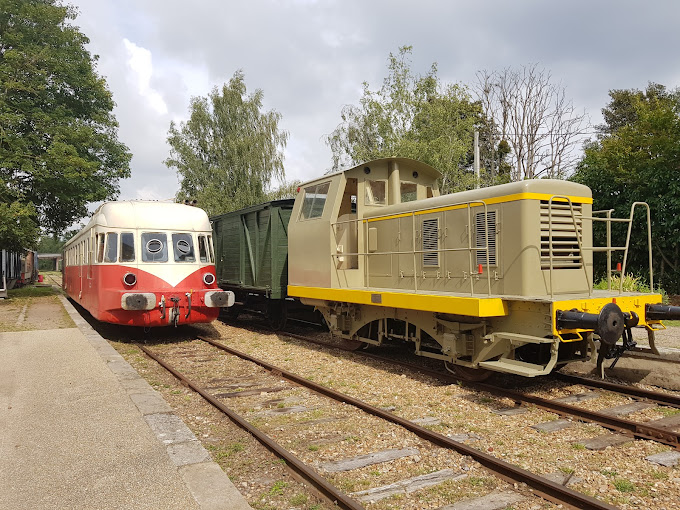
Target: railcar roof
x: 541, y: 186
x: 150, y: 215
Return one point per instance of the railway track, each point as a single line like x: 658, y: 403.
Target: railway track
x: 539, y: 485
x: 661, y: 430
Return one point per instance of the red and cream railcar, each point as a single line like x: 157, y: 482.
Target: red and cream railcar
x: 145, y: 264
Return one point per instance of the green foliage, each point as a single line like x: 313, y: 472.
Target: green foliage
x: 228, y: 151
x: 414, y: 117
x: 18, y: 229
x: 636, y: 158
x: 286, y: 190
x: 51, y: 244
x: 623, y: 485
x: 58, y: 139
x: 630, y: 284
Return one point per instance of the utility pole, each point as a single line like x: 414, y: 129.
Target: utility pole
x: 476, y: 161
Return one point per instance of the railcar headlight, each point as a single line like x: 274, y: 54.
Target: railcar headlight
x: 208, y: 278
x: 129, y: 279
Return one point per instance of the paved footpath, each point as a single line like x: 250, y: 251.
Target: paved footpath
x: 80, y: 429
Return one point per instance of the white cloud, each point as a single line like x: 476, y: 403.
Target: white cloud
x: 139, y: 61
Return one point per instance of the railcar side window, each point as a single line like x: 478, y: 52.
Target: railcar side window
x: 375, y: 193
x: 203, y: 249
x: 111, y: 247
x: 100, y: 247
x: 314, y: 201
x: 183, y: 246
x: 127, y: 247
x: 210, y: 249
x: 154, y: 247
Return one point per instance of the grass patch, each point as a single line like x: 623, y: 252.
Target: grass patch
x: 277, y: 488
x: 298, y: 499
x: 578, y: 446
x: 30, y: 291
x: 623, y: 485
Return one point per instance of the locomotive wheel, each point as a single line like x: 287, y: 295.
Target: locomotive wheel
x: 351, y: 345
x: 468, y: 374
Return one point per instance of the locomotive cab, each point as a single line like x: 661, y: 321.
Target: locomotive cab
x: 483, y: 279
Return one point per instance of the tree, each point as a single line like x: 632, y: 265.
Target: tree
x: 636, y: 158
x: 58, y: 138
x: 531, y: 116
x: 285, y: 190
x: 410, y: 116
x: 17, y: 226
x: 228, y: 151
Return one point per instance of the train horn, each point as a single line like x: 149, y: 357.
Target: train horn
x: 662, y: 312
x: 608, y: 324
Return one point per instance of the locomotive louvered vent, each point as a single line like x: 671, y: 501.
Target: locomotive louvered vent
x: 481, y: 234
x: 565, y: 239
x: 431, y: 242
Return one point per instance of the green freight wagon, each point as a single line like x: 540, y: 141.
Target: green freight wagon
x: 251, y: 252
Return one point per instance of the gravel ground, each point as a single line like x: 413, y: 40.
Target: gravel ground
x: 619, y: 475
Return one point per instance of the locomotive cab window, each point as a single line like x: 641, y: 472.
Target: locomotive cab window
x: 154, y: 247
x: 376, y: 193
x: 127, y: 247
x: 409, y: 191
x: 314, y: 201
x: 111, y: 247
x: 183, y: 247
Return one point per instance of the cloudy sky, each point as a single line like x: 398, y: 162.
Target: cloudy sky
x: 310, y: 57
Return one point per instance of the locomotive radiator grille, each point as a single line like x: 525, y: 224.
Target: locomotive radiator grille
x: 565, y: 240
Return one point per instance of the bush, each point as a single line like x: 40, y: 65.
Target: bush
x: 630, y: 284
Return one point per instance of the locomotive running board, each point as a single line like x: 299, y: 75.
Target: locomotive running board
x: 513, y: 366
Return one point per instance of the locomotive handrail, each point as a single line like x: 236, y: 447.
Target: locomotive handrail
x: 415, y: 252
x: 609, y: 249
x: 578, y: 240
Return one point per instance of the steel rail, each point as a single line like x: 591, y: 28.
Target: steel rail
x: 546, y: 488
x: 621, y: 425
x: 333, y: 494
x: 661, y: 398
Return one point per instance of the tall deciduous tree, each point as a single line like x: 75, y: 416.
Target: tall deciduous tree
x: 636, y: 157
x: 530, y: 116
x: 228, y: 151
x: 410, y: 116
x: 58, y: 138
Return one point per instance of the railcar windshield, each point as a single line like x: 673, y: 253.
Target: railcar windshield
x: 183, y: 247
x: 154, y: 247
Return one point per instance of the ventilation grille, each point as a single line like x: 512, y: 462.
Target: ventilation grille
x: 565, y: 240
x: 480, y: 237
x: 431, y: 242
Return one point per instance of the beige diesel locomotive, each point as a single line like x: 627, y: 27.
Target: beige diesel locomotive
x: 493, y: 279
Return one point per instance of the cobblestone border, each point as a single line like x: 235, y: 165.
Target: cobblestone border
x: 208, y: 484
